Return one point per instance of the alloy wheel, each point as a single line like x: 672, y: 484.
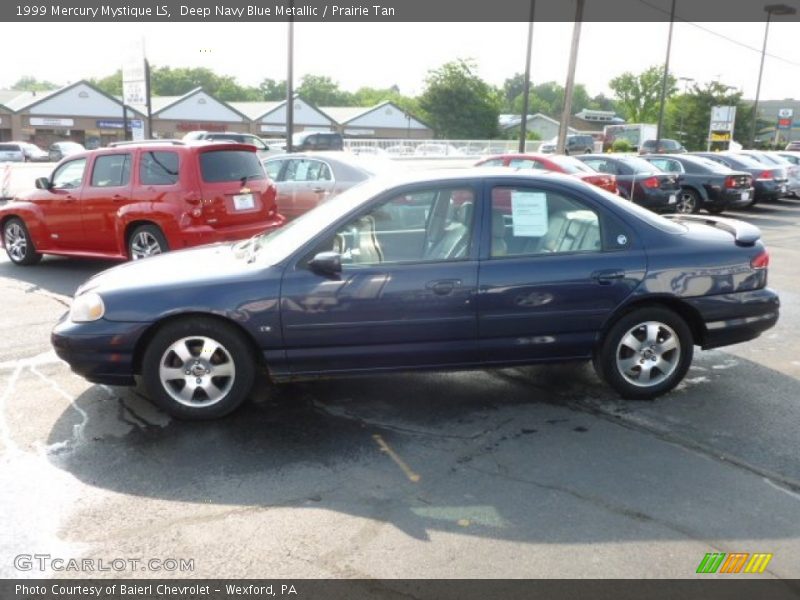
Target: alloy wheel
x: 144, y: 244
x: 648, y: 354
x: 16, y: 242
x: 687, y: 203
x: 197, y: 371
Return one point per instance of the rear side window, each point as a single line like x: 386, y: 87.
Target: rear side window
x: 112, y: 171
x: 158, y: 168
x: 230, y: 165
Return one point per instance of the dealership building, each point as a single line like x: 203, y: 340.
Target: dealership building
x: 82, y: 113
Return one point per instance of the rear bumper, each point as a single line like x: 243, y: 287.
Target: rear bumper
x: 205, y: 234
x: 658, y: 200
x: 770, y: 190
x: 738, y: 317
x: 101, y: 351
x: 731, y: 197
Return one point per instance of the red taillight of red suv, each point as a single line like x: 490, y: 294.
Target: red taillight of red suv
x: 765, y: 175
x: 651, y: 182
x: 761, y: 260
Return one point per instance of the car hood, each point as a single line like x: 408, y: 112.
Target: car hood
x: 205, y: 264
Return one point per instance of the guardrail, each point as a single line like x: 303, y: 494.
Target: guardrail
x: 405, y: 148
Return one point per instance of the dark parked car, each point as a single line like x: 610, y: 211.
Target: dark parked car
x: 662, y: 146
x: 310, y: 140
x: 427, y: 272
x: 769, y: 183
x: 576, y: 143
x: 706, y: 184
x: 59, y: 150
x: 638, y: 180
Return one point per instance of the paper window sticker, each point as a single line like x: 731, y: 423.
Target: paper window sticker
x: 529, y: 213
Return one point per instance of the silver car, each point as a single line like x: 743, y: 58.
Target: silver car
x: 11, y: 152
x: 307, y: 179
x: 776, y: 160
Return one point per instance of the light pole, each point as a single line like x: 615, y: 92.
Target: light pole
x: 770, y: 9
x: 290, y: 85
x: 665, y: 80
x: 573, y: 60
x: 526, y: 90
x: 686, y: 81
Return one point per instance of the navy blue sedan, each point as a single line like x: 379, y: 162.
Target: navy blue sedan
x: 468, y: 269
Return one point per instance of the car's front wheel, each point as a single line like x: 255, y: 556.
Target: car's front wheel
x: 198, y: 368
x: 646, y: 353
x: 18, y: 243
x: 146, y: 240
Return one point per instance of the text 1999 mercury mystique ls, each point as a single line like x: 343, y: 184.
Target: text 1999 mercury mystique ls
x: 466, y: 269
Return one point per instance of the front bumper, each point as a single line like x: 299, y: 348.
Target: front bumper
x: 101, y: 351
x: 738, y: 317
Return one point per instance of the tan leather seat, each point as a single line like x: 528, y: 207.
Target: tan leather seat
x: 499, y: 246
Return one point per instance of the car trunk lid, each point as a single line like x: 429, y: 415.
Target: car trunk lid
x: 744, y: 234
x: 234, y: 187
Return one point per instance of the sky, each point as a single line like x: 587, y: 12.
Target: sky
x: 385, y: 54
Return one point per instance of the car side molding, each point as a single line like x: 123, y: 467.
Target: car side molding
x: 743, y: 233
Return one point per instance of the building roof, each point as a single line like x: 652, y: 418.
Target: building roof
x: 343, y: 114
x: 256, y: 110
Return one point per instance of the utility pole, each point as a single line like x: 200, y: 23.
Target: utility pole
x: 573, y: 61
x: 290, y: 87
x: 665, y: 80
x: 526, y: 90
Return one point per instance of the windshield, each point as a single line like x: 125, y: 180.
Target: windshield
x: 639, y: 165
x: 230, y: 165
x: 272, y: 248
x: 740, y: 160
x: 571, y: 164
x: 641, y: 213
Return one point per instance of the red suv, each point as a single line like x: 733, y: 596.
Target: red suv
x: 133, y: 200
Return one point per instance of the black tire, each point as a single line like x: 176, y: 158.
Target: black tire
x: 187, y: 333
x: 608, y: 366
x: 688, y: 202
x: 715, y: 210
x: 157, y: 245
x: 20, y: 250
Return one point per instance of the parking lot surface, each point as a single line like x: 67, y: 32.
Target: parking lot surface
x: 527, y: 472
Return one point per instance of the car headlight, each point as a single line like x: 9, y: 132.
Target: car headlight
x: 87, y: 307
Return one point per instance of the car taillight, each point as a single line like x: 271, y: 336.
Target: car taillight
x: 760, y: 261
x: 730, y: 182
x: 650, y: 182
x: 765, y: 175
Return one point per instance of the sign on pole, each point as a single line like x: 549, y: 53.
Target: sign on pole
x: 720, y: 129
x: 134, y: 78
x: 785, y: 116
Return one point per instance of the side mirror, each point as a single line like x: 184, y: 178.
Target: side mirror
x: 326, y: 263
x: 43, y: 183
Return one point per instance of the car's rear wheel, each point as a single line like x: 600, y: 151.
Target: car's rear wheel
x: 146, y: 240
x: 18, y: 243
x: 646, y: 353
x: 198, y: 368
x: 688, y: 202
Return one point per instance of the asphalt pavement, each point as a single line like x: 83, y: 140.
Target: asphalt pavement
x: 525, y: 472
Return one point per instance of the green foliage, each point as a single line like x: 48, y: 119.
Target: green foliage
x: 638, y: 95
x: 458, y: 104
x: 31, y: 84
x: 548, y: 98
x: 691, y: 114
x: 272, y: 90
x: 323, y: 91
x: 621, y: 145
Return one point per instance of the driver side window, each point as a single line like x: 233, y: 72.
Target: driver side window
x: 69, y: 175
x: 424, y: 226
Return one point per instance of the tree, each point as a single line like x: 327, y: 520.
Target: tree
x: 322, y: 91
x: 111, y: 84
x: 31, y: 84
x: 690, y: 113
x: 272, y: 90
x: 458, y: 104
x: 638, y: 96
x: 513, y: 88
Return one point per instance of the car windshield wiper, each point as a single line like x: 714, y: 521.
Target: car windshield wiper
x: 247, y: 178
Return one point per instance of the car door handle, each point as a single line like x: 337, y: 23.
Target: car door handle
x: 70, y: 198
x: 318, y: 190
x: 607, y: 276
x: 117, y: 197
x: 442, y: 287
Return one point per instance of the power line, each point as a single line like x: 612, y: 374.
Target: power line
x: 720, y: 35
